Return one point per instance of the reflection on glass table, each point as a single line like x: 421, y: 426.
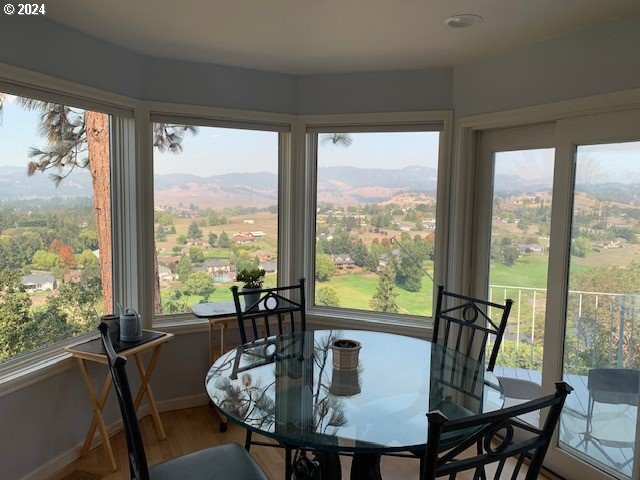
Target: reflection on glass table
x: 286, y: 389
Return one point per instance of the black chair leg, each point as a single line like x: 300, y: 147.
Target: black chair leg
x: 247, y: 440
x: 288, y: 467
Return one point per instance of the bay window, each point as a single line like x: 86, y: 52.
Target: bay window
x: 56, y: 268
x: 216, y: 209
x: 375, y: 231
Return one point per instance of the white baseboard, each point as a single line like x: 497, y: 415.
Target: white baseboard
x: 65, y: 458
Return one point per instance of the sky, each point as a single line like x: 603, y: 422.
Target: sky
x: 613, y: 162
x: 18, y: 132
x: 383, y: 150
x: 215, y: 151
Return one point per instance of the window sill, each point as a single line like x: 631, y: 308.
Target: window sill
x: 341, y: 318
x: 184, y: 323
x: 34, y: 369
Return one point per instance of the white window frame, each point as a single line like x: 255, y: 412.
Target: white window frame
x: 440, y: 120
x: 214, y: 117
x: 33, y: 366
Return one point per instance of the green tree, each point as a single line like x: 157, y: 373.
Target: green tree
x: 184, y: 268
x: 46, y: 260
x: 328, y: 296
x: 336, y: 139
x: 161, y: 234
x: 384, y: 299
x: 87, y: 259
x: 194, y: 231
x: 196, y: 255
x: 176, y: 303
x: 324, y: 267
x: 509, y: 254
x: 163, y: 218
x: 580, y: 246
x: 15, y: 317
x: 212, y: 239
x: 181, y: 239
x: 244, y: 262
x: 80, y: 300
x: 409, y: 270
x: 200, y: 283
x: 223, y: 240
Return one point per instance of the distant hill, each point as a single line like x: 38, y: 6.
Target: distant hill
x: 335, y: 184
x: 338, y: 184
x: 16, y: 185
x: 514, y: 184
x: 624, y: 193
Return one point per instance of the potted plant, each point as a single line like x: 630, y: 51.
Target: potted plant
x: 252, y: 279
x: 345, y: 354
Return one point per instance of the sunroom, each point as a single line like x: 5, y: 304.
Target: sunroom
x: 334, y: 239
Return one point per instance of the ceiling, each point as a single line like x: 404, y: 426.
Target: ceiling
x: 329, y: 36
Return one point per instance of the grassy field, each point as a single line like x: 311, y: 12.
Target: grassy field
x: 221, y: 294
x: 356, y: 291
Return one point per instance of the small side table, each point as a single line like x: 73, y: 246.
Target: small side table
x: 92, y: 351
x: 219, y: 315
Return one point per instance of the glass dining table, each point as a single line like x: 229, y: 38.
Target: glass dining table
x: 286, y: 388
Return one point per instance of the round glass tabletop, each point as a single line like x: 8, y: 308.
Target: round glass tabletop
x: 287, y: 388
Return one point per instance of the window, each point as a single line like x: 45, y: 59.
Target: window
x: 519, y: 254
x: 55, y: 223
x: 601, y: 346
x: 375, y: 219
x: 215, y: 212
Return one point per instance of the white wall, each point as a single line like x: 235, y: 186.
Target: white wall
x: 41, y: 45
x: 44, y: 46
x: 44, y: 420
x: 428, y: 89
x: 600, y: 59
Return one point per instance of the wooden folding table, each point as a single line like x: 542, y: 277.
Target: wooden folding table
x: 92, y: 351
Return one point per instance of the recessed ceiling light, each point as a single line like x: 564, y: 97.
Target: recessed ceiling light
x: 462, y: 21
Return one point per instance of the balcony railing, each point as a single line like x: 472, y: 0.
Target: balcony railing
x: 602, y: 329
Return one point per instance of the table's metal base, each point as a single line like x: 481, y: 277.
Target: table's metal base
x: 365, y: 466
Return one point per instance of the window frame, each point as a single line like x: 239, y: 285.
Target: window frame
x: 25, y: 369
x: 220, y: 118
x: 439, y: 120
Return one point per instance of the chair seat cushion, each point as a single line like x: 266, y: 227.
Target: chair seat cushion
x: 224, y: 462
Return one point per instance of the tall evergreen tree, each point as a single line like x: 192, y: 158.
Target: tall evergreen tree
x: 384, y: 300
x: 80, y: 139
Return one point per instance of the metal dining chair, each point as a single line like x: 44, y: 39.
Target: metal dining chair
x: 492, y: 440
x: 611, y: 411
x: 272, y: 314
x: 467, y: 327
x: 222, y: 462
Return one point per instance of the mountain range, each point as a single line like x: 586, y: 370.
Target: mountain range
x: 336, y: 184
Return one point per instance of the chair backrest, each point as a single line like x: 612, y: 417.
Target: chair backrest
x: 271, y: 305
x: 614, y: 386
x: 492, y: 440
x: 466, y: 320
x: 137, y: 459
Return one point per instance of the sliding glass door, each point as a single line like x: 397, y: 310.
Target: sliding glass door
x: 594, y: 308
x: 558, y: 232
x: 515, y: 198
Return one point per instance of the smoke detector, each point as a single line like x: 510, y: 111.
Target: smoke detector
x: 463, y: 20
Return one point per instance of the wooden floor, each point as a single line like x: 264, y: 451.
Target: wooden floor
x: 197, y: 428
